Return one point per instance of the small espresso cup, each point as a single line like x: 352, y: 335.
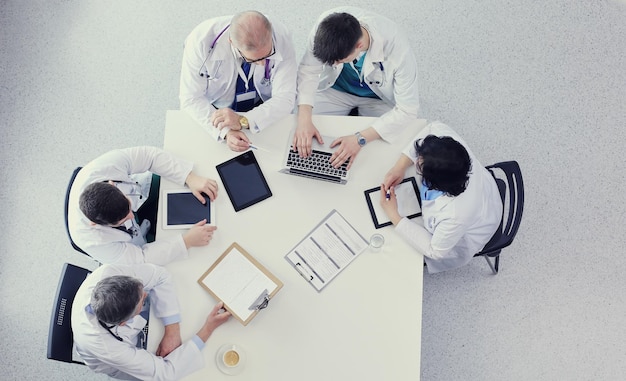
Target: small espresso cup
x: 231, y: 357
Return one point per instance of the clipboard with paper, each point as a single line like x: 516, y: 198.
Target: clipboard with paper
x: 241, y: 282
x: 328, y: 249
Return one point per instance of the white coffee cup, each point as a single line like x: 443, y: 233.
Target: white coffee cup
x: 231, y: 357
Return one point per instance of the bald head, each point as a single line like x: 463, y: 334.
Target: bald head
x: 250, y: 30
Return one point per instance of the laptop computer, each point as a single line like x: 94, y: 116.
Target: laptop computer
x: 317, y: 166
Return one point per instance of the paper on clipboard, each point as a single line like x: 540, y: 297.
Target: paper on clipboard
x: 409, y: 203
x: 239, y: 281
x: 329, y: 248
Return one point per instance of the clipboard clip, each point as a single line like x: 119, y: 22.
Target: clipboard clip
x: 305, y: 274
x: 261, y: 302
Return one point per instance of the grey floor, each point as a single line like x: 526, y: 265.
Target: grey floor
x: 540, y: 82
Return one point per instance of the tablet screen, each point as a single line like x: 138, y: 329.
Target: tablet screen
x: 243, y: 180
x: 407, y: 195
x: 185, y: 209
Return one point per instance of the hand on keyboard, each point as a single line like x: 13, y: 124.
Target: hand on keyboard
x: 348, y: 148
x: 303, y: 138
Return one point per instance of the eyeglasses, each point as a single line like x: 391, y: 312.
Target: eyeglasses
x: 259, y: 59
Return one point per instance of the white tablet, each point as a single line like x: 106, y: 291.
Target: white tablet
x: 181, y: 209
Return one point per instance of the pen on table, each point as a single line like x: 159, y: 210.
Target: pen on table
x: 252, y: 146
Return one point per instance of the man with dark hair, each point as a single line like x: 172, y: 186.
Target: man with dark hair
x: 461, y: 204
x: 104, y: 204
x: 356, y: 59
x: 108, y: 316
x: 110, y: 190
x: 238, y: 73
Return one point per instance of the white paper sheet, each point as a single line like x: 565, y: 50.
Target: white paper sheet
x: 238, y: 282
x: 327, y: 250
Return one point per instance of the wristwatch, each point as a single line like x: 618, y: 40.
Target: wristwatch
x: 360, y: 139
x: 243, y: 121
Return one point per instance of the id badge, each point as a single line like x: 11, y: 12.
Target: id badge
x: 250, y: 95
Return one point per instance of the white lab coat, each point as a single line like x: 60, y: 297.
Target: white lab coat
x: 122, y: 359
x: 389, y: 69
x: 110, y: 245
x: 200, y: 96
x: 453, y: 229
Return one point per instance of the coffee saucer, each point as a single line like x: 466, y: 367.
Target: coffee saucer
x: 230, y: 370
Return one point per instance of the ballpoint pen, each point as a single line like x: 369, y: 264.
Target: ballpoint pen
x: 252, y: 146
x: 388, y: 194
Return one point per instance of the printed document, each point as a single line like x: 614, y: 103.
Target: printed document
x: 327, y: 250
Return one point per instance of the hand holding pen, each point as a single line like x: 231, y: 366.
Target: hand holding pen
x: 237, y: 141
x: 389, y: 203
x: 257, y: 148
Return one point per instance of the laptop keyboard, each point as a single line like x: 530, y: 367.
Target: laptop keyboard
x: 318, y: 162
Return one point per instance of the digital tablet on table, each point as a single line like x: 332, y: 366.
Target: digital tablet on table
x: 181, y: 209
x: 244, y: 181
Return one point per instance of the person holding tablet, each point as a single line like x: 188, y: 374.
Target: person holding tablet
x: 461, y: 204
x: 112, y: 193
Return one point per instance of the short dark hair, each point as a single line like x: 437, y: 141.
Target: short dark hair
x: 446, y: 164
x: 114, y: 300
x: 104, y: 204
x: 336, y: 37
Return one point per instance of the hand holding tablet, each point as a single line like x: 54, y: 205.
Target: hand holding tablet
x: 201, y: 186
x: 182, y: 210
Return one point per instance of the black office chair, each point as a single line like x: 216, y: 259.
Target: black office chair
x: 67, y: 200
x: 60, y: 337
x: 511, y: 186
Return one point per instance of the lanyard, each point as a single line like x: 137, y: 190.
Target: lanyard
x: 266, y: 78
x: 242, y: 75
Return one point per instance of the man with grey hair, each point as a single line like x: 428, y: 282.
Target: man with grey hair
x: 108, y: 317
x: 238, y: 72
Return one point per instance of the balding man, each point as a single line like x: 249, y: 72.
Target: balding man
x: 238, y: 73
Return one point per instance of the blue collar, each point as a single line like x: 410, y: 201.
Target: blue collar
x: 429, y: 194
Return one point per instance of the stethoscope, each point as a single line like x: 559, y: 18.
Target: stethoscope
x: 266, y: 78
x: 134, y: 187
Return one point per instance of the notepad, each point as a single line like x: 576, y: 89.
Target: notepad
x: 241, y: 282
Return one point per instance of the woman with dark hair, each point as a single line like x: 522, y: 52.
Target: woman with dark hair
x: 461, y: 205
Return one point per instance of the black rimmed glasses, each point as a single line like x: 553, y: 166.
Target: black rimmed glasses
x: 258, y: 59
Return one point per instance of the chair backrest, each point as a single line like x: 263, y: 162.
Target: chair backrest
x: 511, y: 186
x: 67, y: 200
x: 60, y: 337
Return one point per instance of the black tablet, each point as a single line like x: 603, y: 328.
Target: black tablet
x: 244, y: 181
x: 409, y: 202
x: 182, y: 209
